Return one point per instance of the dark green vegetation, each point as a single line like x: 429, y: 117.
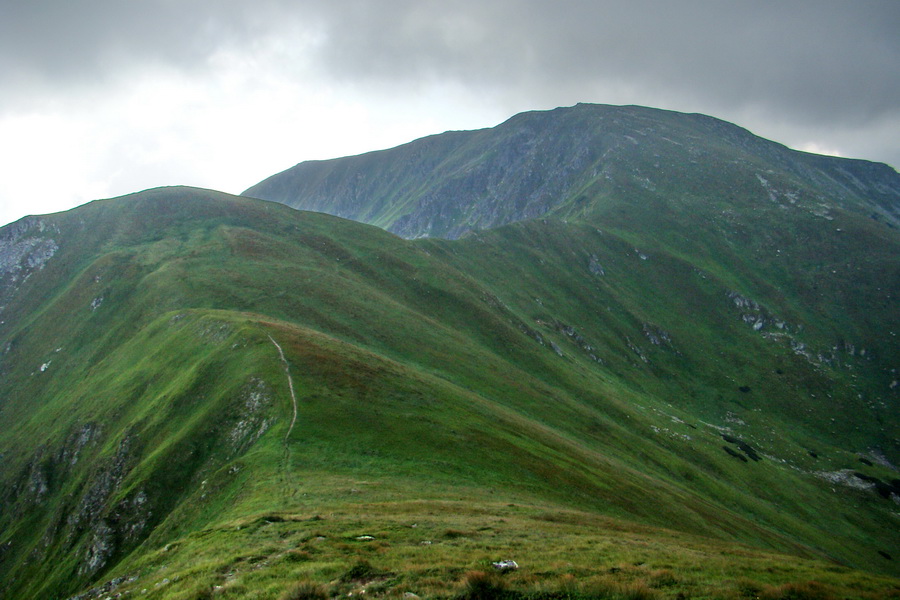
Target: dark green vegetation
x: 662, y: 395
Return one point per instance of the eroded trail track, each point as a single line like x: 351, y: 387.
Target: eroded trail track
x: 287, y: 371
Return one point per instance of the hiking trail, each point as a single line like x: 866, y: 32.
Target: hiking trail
x: 287, y: 371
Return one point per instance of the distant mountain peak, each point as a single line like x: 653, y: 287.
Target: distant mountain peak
x: 569, y: 162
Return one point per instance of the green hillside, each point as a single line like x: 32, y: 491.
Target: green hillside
x: 594, y: 402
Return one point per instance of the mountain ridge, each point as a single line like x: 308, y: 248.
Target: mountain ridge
x: 692, y: 394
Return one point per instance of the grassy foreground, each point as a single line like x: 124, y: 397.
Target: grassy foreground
x: 390, y: 547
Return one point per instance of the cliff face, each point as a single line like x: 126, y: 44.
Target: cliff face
x: 570, y: 162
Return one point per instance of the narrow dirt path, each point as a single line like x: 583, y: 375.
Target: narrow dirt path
x: 287, y: 371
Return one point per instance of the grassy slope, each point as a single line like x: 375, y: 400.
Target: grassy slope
x: 792, y: 406
x: 424, y: 396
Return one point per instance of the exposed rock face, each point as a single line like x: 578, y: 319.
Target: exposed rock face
x: 657, y: 335
x: 757, y: 316
x: 123, y: 528
x: 253, y: 420
x: 38, y: 479
x: 69, y: 453
x: 100, y: 549
x: 105, y: 483
x: 24, y: 247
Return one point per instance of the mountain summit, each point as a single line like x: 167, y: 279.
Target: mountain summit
x: 671, y: 372
x: 572, y: 163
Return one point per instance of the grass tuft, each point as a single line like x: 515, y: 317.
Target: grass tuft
x: 453, y: 534
x: 305, y: 590
x: 662, y: 578
x: 479, y: 585
x: 636, y: 590
x: 363, y: 571
x: 806, y: 590
x: 748, y: 588
x: 296, y: 556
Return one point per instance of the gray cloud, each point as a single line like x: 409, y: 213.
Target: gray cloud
x: 815, y: 63
x: 63, y: 43
x: 832, y: 55
x: 819, y: 60
x: 829, y: 66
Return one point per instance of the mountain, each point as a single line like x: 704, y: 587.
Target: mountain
x: 586, y: 161
x: 644, y: 393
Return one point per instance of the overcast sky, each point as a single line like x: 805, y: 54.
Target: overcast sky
x: 100, y: 98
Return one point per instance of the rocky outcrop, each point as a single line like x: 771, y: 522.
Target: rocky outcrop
x: 105, y: 482
x: 755, y: 315
x: 25, y: 246
x: 253, y: 420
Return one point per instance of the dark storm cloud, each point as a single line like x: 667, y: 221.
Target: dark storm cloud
x: 820, y: 59
x: 833, y: 59
x: 806, y: 61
